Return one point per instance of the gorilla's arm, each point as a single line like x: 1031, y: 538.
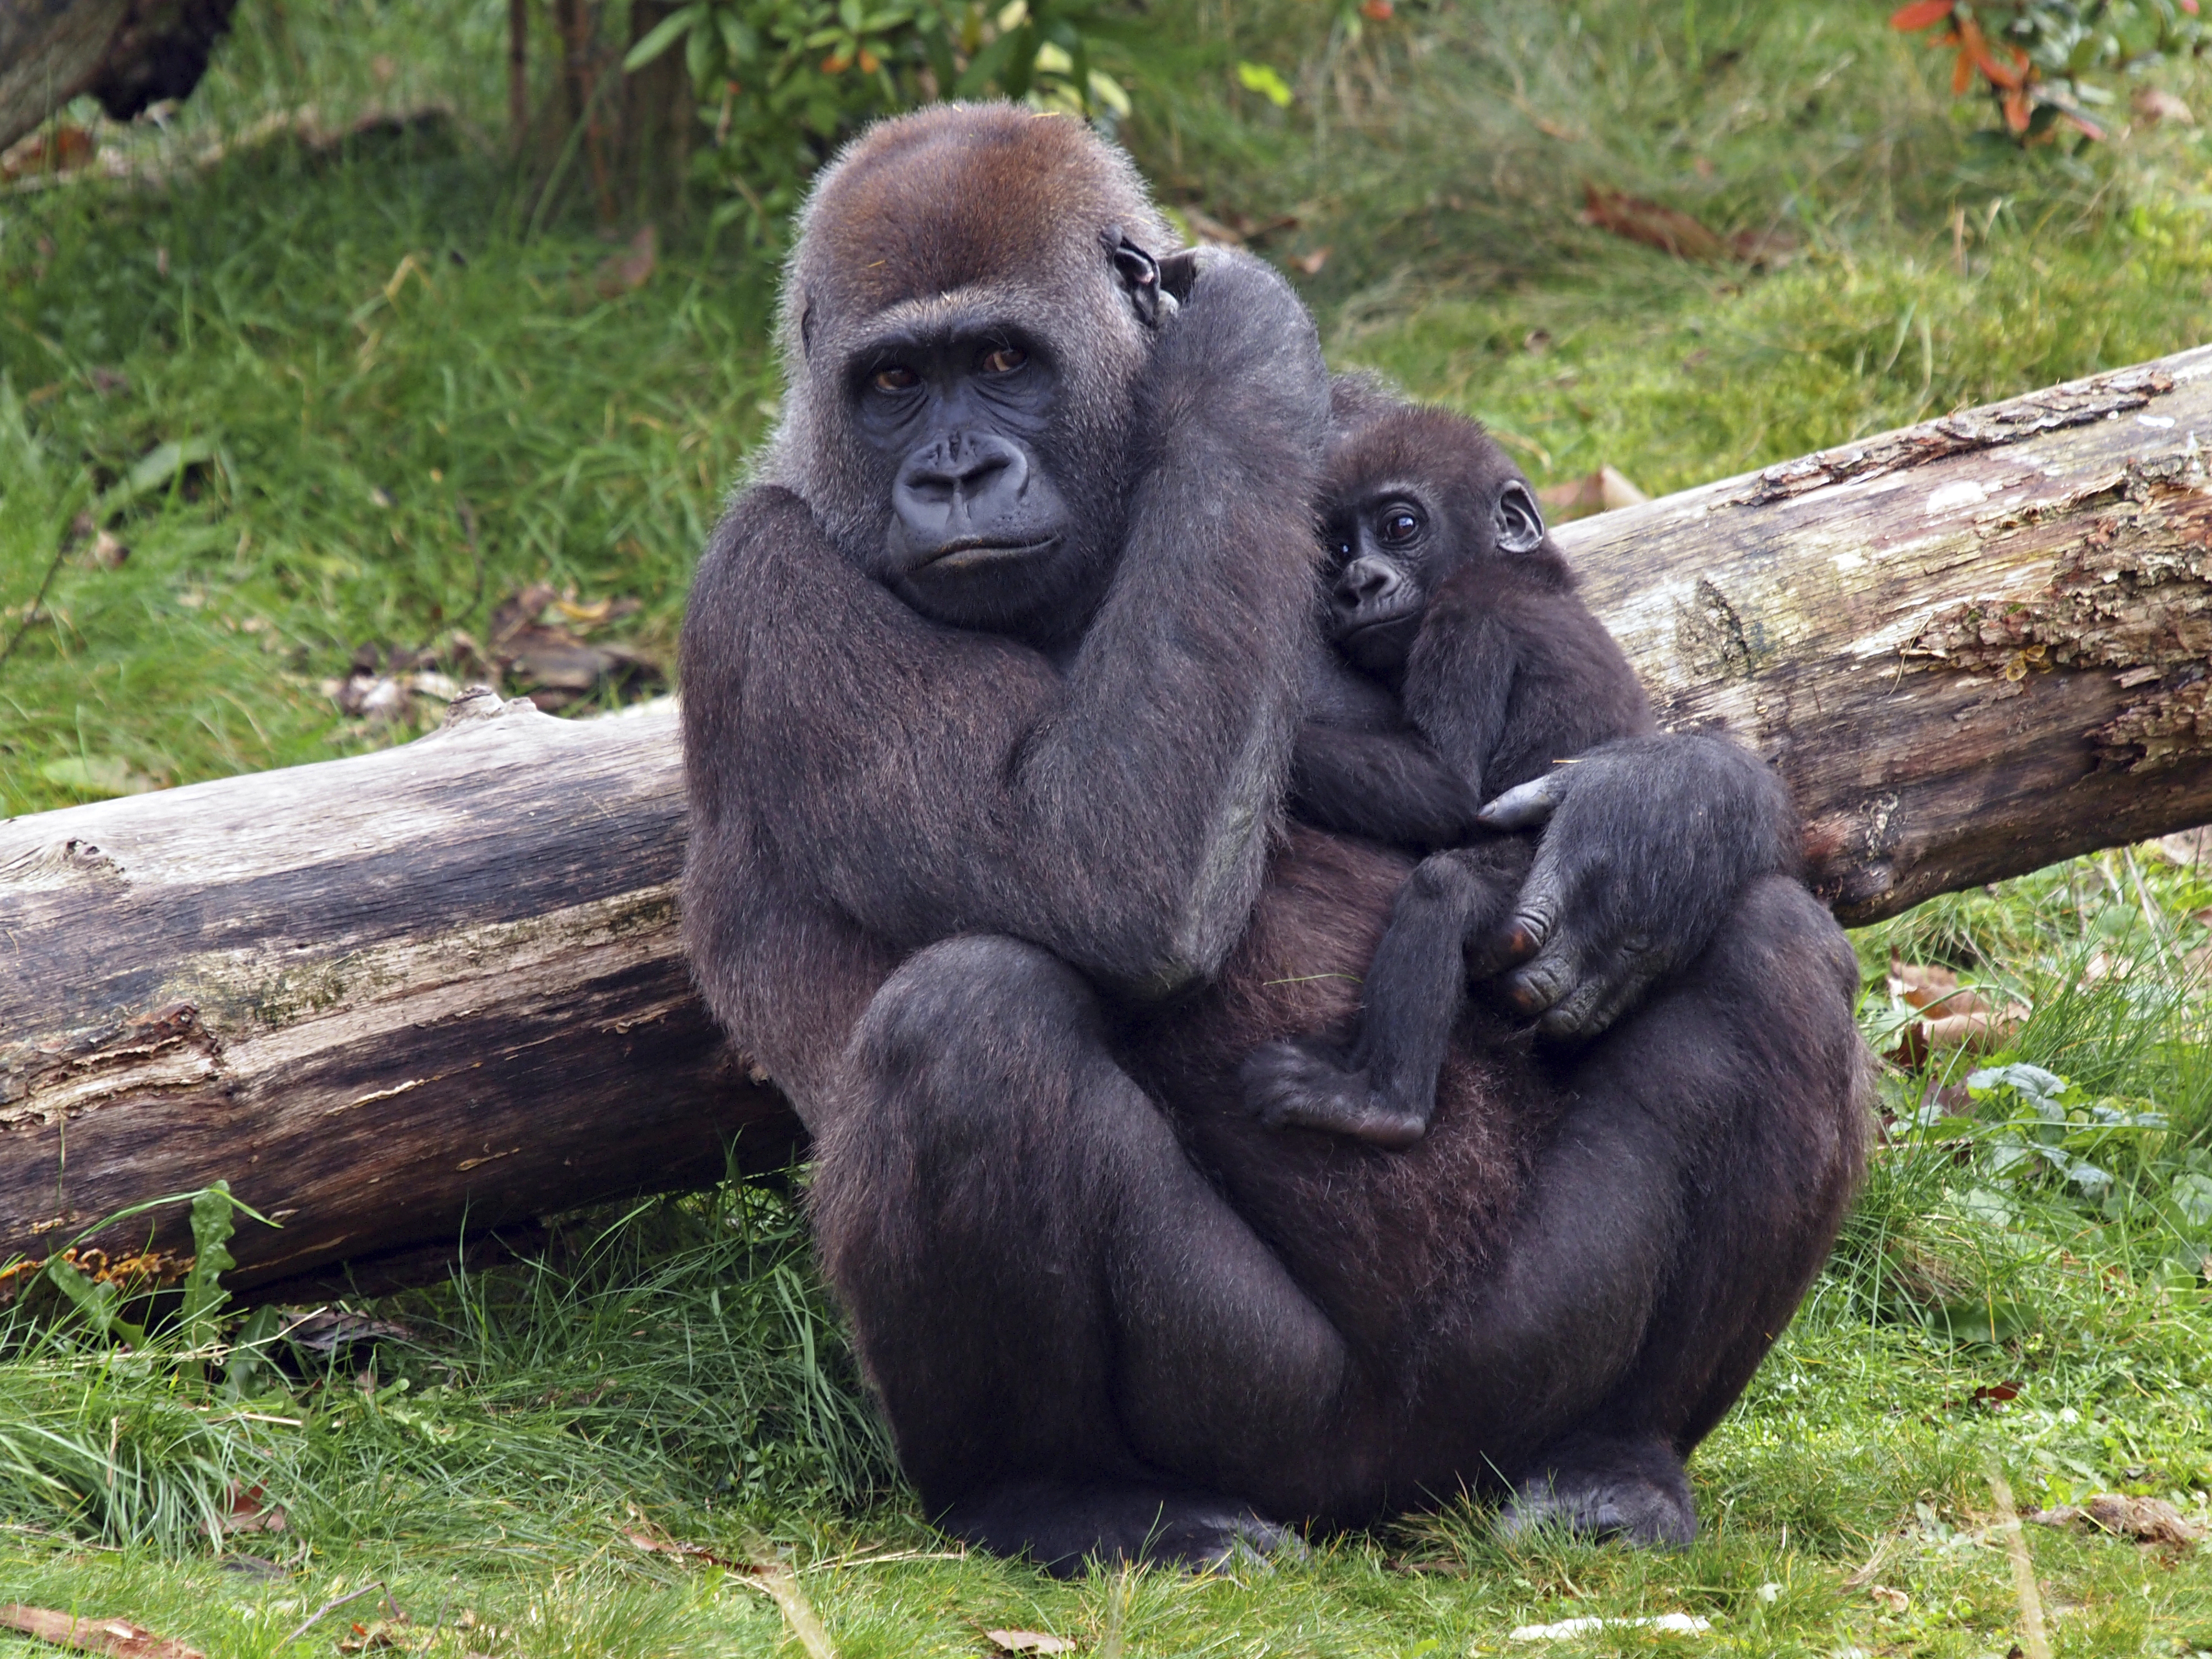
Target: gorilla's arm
x: 1650, y: 843
x: 931, y: 780
x: 1386, y: 787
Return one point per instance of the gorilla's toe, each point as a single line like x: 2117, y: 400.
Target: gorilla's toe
x: 1632, y: 1491
x: 1063, y: 1525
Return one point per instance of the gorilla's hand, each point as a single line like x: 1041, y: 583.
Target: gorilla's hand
x: 1648, y: 843
x: 1241, y: 338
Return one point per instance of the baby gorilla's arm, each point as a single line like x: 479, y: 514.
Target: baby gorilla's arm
x: 1390, y: 787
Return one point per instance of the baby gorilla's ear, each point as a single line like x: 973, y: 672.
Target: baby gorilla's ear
x: 1518, y: 524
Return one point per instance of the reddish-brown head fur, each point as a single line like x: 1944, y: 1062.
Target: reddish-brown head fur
x: 962, y: 196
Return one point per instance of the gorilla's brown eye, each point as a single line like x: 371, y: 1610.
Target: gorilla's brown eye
x: 897, y: 378
x: 1004, y: 360
x: 1401, y: 525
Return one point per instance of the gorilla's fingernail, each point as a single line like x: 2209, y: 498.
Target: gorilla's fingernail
x: 1524, y: 997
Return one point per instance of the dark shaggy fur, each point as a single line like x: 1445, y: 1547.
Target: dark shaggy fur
x: 1445, y: 593
x: 990, y: 683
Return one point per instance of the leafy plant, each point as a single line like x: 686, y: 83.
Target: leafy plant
x: 2042, y: 61
x: 781, y: 82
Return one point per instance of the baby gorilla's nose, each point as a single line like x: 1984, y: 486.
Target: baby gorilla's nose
x: 1366, y: 583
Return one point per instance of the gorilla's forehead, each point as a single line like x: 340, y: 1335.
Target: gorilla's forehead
x: 979, y: 308
x: 960, y: 197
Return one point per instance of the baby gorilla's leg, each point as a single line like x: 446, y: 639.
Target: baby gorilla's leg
x: 1382, y: 1088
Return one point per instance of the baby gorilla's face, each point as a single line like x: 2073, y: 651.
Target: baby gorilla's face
x: 1383, y: 547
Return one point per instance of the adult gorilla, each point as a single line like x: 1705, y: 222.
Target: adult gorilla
x: 988, y: 688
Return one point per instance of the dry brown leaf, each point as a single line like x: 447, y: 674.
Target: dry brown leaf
x: 630, y: 269
x: 1311, y: 263
x: 1029, y: 1641
x: 1896, y: 1601
x: 2186, y: 846
x: 556, y: 666
x: 1602, y: 491
x: 2152, y: 104
x: 1668, y: 229
x: 1951, y: 1015
x: 1764, y: 248
x: 118, y: 1637
x: 249, y: 1511
x: 2146, y: 1520
x: 55, y: 151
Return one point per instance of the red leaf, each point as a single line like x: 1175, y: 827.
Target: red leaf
x: 1919, y: 15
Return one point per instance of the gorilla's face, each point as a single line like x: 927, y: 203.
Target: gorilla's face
x: 1385, y: 545
x: 961, y: 417
x: 1392, y: 540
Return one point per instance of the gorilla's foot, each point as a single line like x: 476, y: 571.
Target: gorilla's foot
x: 1632, y: 1489
x: 1060, y: 1525
x: 1305, y: 1085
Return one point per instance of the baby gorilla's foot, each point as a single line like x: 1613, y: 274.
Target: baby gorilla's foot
x: 1306, y: 1086
x: 1632, y: 1489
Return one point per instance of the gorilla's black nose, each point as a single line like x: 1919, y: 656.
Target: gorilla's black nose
x: 960, y: 486
x: 1366, y: 583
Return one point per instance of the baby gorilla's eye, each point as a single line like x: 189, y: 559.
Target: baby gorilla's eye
x: 896, y: 378
x: 1401, y: 525
x: 1004, y: 360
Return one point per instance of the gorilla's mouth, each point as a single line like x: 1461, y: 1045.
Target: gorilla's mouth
x: 974, y: 553
x: 1362, y: 630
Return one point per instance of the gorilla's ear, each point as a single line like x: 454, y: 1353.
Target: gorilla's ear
x: 806, y: 327
x: 1138, y: 273
x: 1517, y: 521
x: 1178, y: 272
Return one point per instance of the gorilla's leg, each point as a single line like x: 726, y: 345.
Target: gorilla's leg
x: 1080, y: 1347
x: 1675, y: 1220
x: 1383, y: 1089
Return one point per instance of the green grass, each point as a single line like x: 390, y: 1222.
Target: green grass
x: 397, y: 398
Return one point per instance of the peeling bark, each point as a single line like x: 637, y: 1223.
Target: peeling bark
x: 392, y: 997
x: 1974, y: 648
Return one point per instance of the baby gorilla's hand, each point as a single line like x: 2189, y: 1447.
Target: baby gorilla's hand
x: 1303, y: 1084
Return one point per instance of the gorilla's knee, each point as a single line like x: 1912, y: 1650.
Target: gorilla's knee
x: 968, y: 1036
x: 974, y: 994
x: 1781, y: 936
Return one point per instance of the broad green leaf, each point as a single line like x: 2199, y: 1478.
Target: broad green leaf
x: 663, y: 35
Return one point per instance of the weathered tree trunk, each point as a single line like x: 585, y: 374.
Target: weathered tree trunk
x: 1974, y: 646
x: 392, y: 996
x: 127, y: 53
x: 386, y: 996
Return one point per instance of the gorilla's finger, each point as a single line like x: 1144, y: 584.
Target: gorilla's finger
x: 1518, y: 939
x: 1529, y: 805
x: 1555, y: 975
x: 1596, y: 1004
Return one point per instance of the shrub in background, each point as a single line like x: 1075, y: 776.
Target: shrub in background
x: 781, y: 83
x: 2043, y: 62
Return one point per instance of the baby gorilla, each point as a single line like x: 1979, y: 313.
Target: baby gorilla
x: 1451, y: 612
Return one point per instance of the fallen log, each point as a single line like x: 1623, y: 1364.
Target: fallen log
x: 127, y: 53
x: 394, y: 997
